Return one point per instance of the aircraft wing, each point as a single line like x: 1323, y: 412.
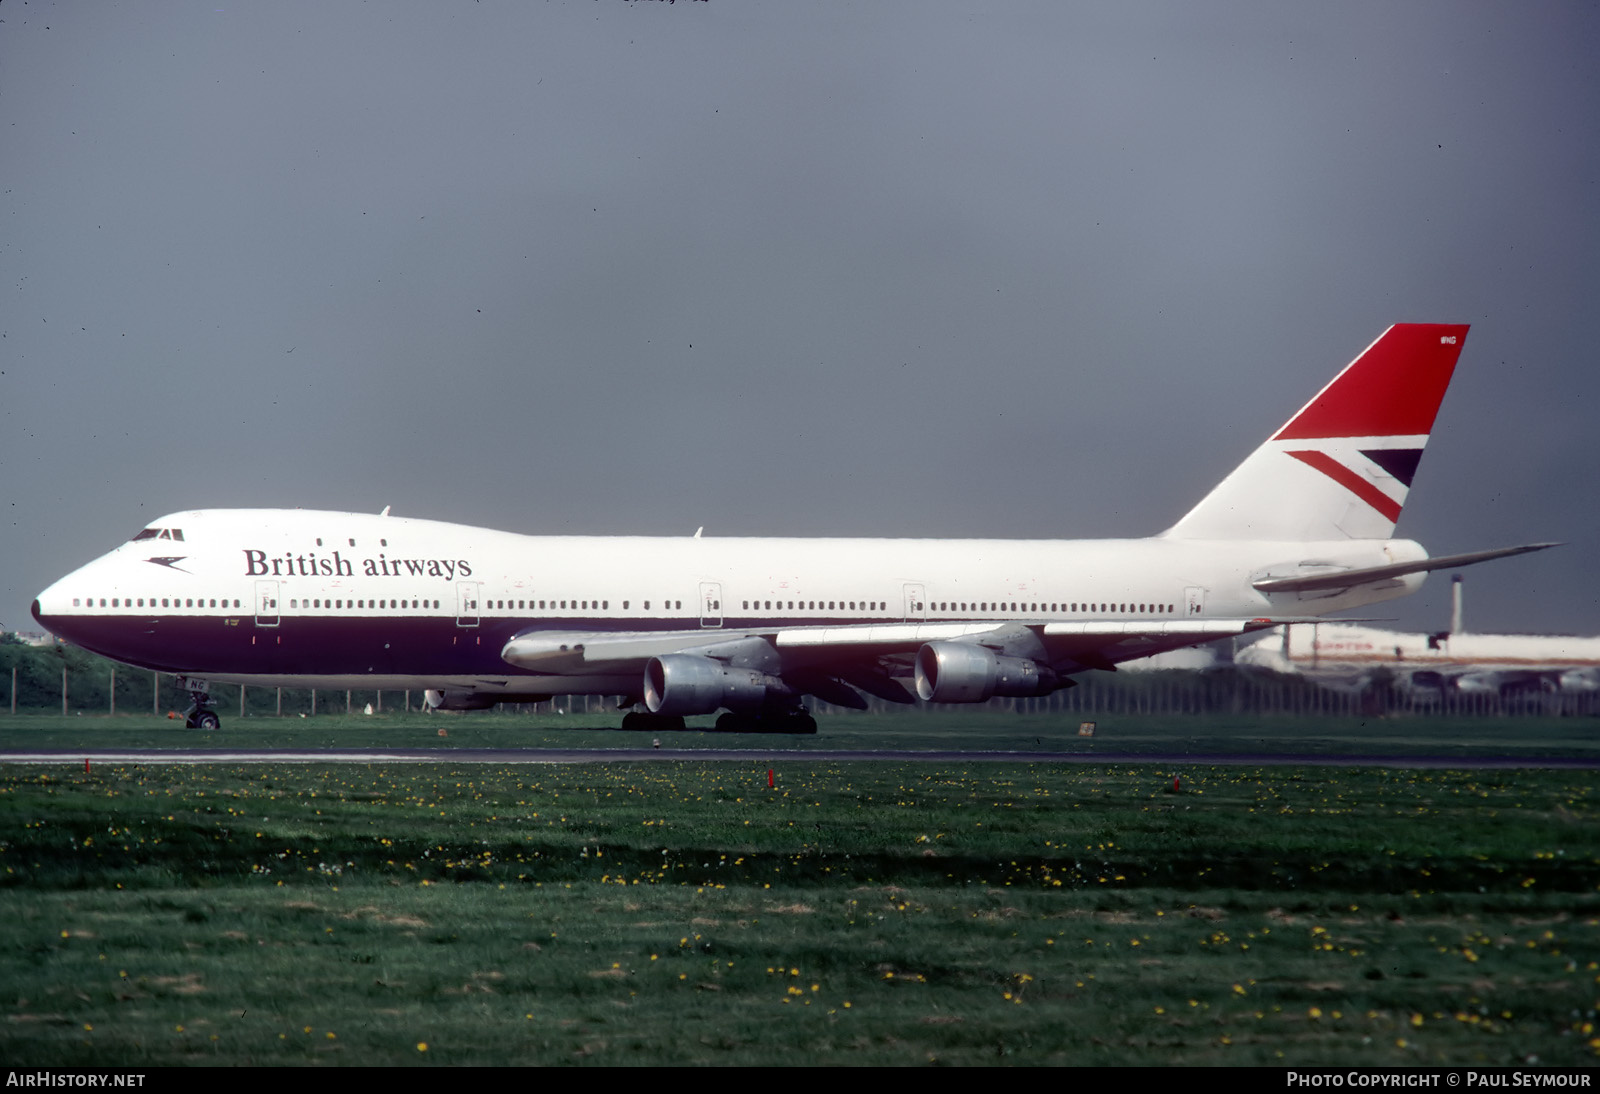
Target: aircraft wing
x: 869, y: 657
x: 1507, y: 682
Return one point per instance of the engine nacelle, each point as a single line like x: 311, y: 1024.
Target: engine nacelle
x: 1427, y: 680
x: 1579, y: 680
x: 682, y: 684
x: 959, y: 672
x: 458, y: 700
x: 1478, y: 683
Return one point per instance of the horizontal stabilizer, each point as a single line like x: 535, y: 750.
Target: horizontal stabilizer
x: 1344, y: 579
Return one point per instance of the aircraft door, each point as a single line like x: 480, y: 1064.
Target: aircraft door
x: 266, y: 603
x: 711, y: 603
x: 1196, y: 600
x: 916, y: 604
x: 467, y: 603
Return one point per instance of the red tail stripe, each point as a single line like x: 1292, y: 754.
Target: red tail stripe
x: 1351, y: 481
x: 1392, y: 390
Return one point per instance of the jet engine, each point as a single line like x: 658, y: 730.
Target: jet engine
x: 1579, y: 680
x: 1479, y: 683
x: 682, y: 684
x: 458, y: 700
x: 959, y: 672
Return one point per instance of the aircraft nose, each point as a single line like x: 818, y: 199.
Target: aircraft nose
x: 36, y: 614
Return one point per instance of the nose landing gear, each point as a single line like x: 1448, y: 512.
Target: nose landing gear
x: 199, y: 715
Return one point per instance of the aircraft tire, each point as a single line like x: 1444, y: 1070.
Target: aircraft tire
x: 797, y: 723
x: 207, y: 720
x: 640, y: 722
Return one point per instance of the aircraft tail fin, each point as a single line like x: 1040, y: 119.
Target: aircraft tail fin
x: 1341, y: 467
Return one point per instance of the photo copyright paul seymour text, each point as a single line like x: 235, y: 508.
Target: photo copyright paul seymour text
x: 1469, y: 1079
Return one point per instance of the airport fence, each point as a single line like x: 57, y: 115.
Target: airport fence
x: 65, y: 679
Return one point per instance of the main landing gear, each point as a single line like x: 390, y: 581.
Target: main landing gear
x: 642, y: 722
x: 788, y: 721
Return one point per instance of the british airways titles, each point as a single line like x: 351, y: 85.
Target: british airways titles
x: 257, y: 564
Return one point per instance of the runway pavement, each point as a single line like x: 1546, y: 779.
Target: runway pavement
x: 511, y: 756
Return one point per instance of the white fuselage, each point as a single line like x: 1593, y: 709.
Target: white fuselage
x: 296, y: 597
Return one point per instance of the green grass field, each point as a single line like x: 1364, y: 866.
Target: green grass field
x: 872, y: 913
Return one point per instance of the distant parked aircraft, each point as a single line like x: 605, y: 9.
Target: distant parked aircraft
x: 1351, y: 657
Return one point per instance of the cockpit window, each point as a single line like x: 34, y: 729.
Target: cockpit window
x: 148, y: 533
x: 160, y: 533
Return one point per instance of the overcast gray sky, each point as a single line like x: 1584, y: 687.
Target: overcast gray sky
x: 880, y: 269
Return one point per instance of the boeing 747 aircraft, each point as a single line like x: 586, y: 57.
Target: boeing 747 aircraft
x: 676, y: 627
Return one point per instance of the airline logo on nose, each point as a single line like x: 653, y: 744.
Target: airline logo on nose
x: 170, y: 562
